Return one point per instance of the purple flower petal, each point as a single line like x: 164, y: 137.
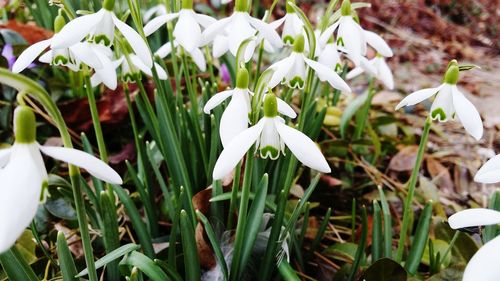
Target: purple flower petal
x: 224, y: 74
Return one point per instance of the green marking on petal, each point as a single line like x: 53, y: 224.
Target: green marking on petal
x: 438, y: 114
x: 269, y: 152
x: 60, y: 60
x: 288, y: 39
x: 102, y: 38
x: 340, y: 42
x: 45, y: 191
x: 296, y: 82
x: 24, y: 125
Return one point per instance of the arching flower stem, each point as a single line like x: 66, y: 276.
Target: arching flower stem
x: 407, y: 210
x: 24, y: 84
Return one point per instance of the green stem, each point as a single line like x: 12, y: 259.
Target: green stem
x: 95, y: 120
x: 411, y: 190
x: 23, y: 83
x: 234, y: 195
x: 364, y: 113
x: 242, y: 217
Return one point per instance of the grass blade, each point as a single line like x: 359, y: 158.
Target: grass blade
x: 191, y: 261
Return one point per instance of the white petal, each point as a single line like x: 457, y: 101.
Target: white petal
x: 187, y: 31
x: 483, y: 266
x: 233, y: 153
x: 489, y: 172
x: 107, y: 74
x: 267, y: 31
x: 137, y: 62
x: 214, y: 29
x: 249, y: 50
x: 29, y: 55
x: 303, y: 148
x: 275, y: 24
x: 354, y: 73
x: 418, y: 96
x: 158, y: 22
x: 329, y: 56
x: 467, y: 113
x: 84, y: 53
x: 281, y: 68
x: 162, y: 74
x: 285, y: 109
x: 165, y: 50
x: 135, y: 40
x: 221, y: 46
x: 379, y: 44
x: 204, y: 20
x: 95, y: 80
x: 385, y: 74
x: 20, y: 192
x: 327, y: 34
x: 326, y: 74
x: 4, y: 156
x: 216, y: 99
x: 443, y: 102
x: 93, y: 165
x: 474, y: 217
x: 239, y: 31
x: 352, y: 35
x: 75, y: 30
x: 234, y: 120
x: 199, y: 59
x: 46, y: 58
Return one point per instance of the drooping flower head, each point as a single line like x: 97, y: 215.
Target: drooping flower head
x: 292, y: 69
x: 228, y: 33
x: 449, y: 103
x: 235, y: 120
x: 71, y: 56
x: 381, y: 71
x: 23, y: 177
x: 99, y: 28
x: 270, y: 135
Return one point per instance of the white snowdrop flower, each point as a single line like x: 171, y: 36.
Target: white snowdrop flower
x: 449, y: 102
x: 483, y: 265
x: 292, y: 26
x: 228, y: 33
x: 270, y: 135
x: 128, y: 71
x: 489, y: 172
x: 187, y: 30
x: 197, y: 55
x: 23, y: 177
x: 382, y: 71
x: 353, y: 37
x: 71, y: 56
x: 100, y: 27
x: 292, y: 70
x: 235, y: 120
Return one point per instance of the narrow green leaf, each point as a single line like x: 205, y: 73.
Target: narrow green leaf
x: 68, y: 267
x: 146, y: 265
x: 361, y: 244
x: 387, y: 224
x: 420, y: 240
x: 191, y: 261
x: 169, y: 270
x: 215, y: 244
x: 377, y: 243
x: 287, y: 272
x: 16, y: 267
x: 118, y: 253
x: 110, y: 231
x: 350, y: 111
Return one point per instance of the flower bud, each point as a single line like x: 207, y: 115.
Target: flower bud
x: 298, y: 44
x: 242, y: 78
x: 108, y: 5
x: 345, y: 10
x: 270, y: 105
x: 24, y: 125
